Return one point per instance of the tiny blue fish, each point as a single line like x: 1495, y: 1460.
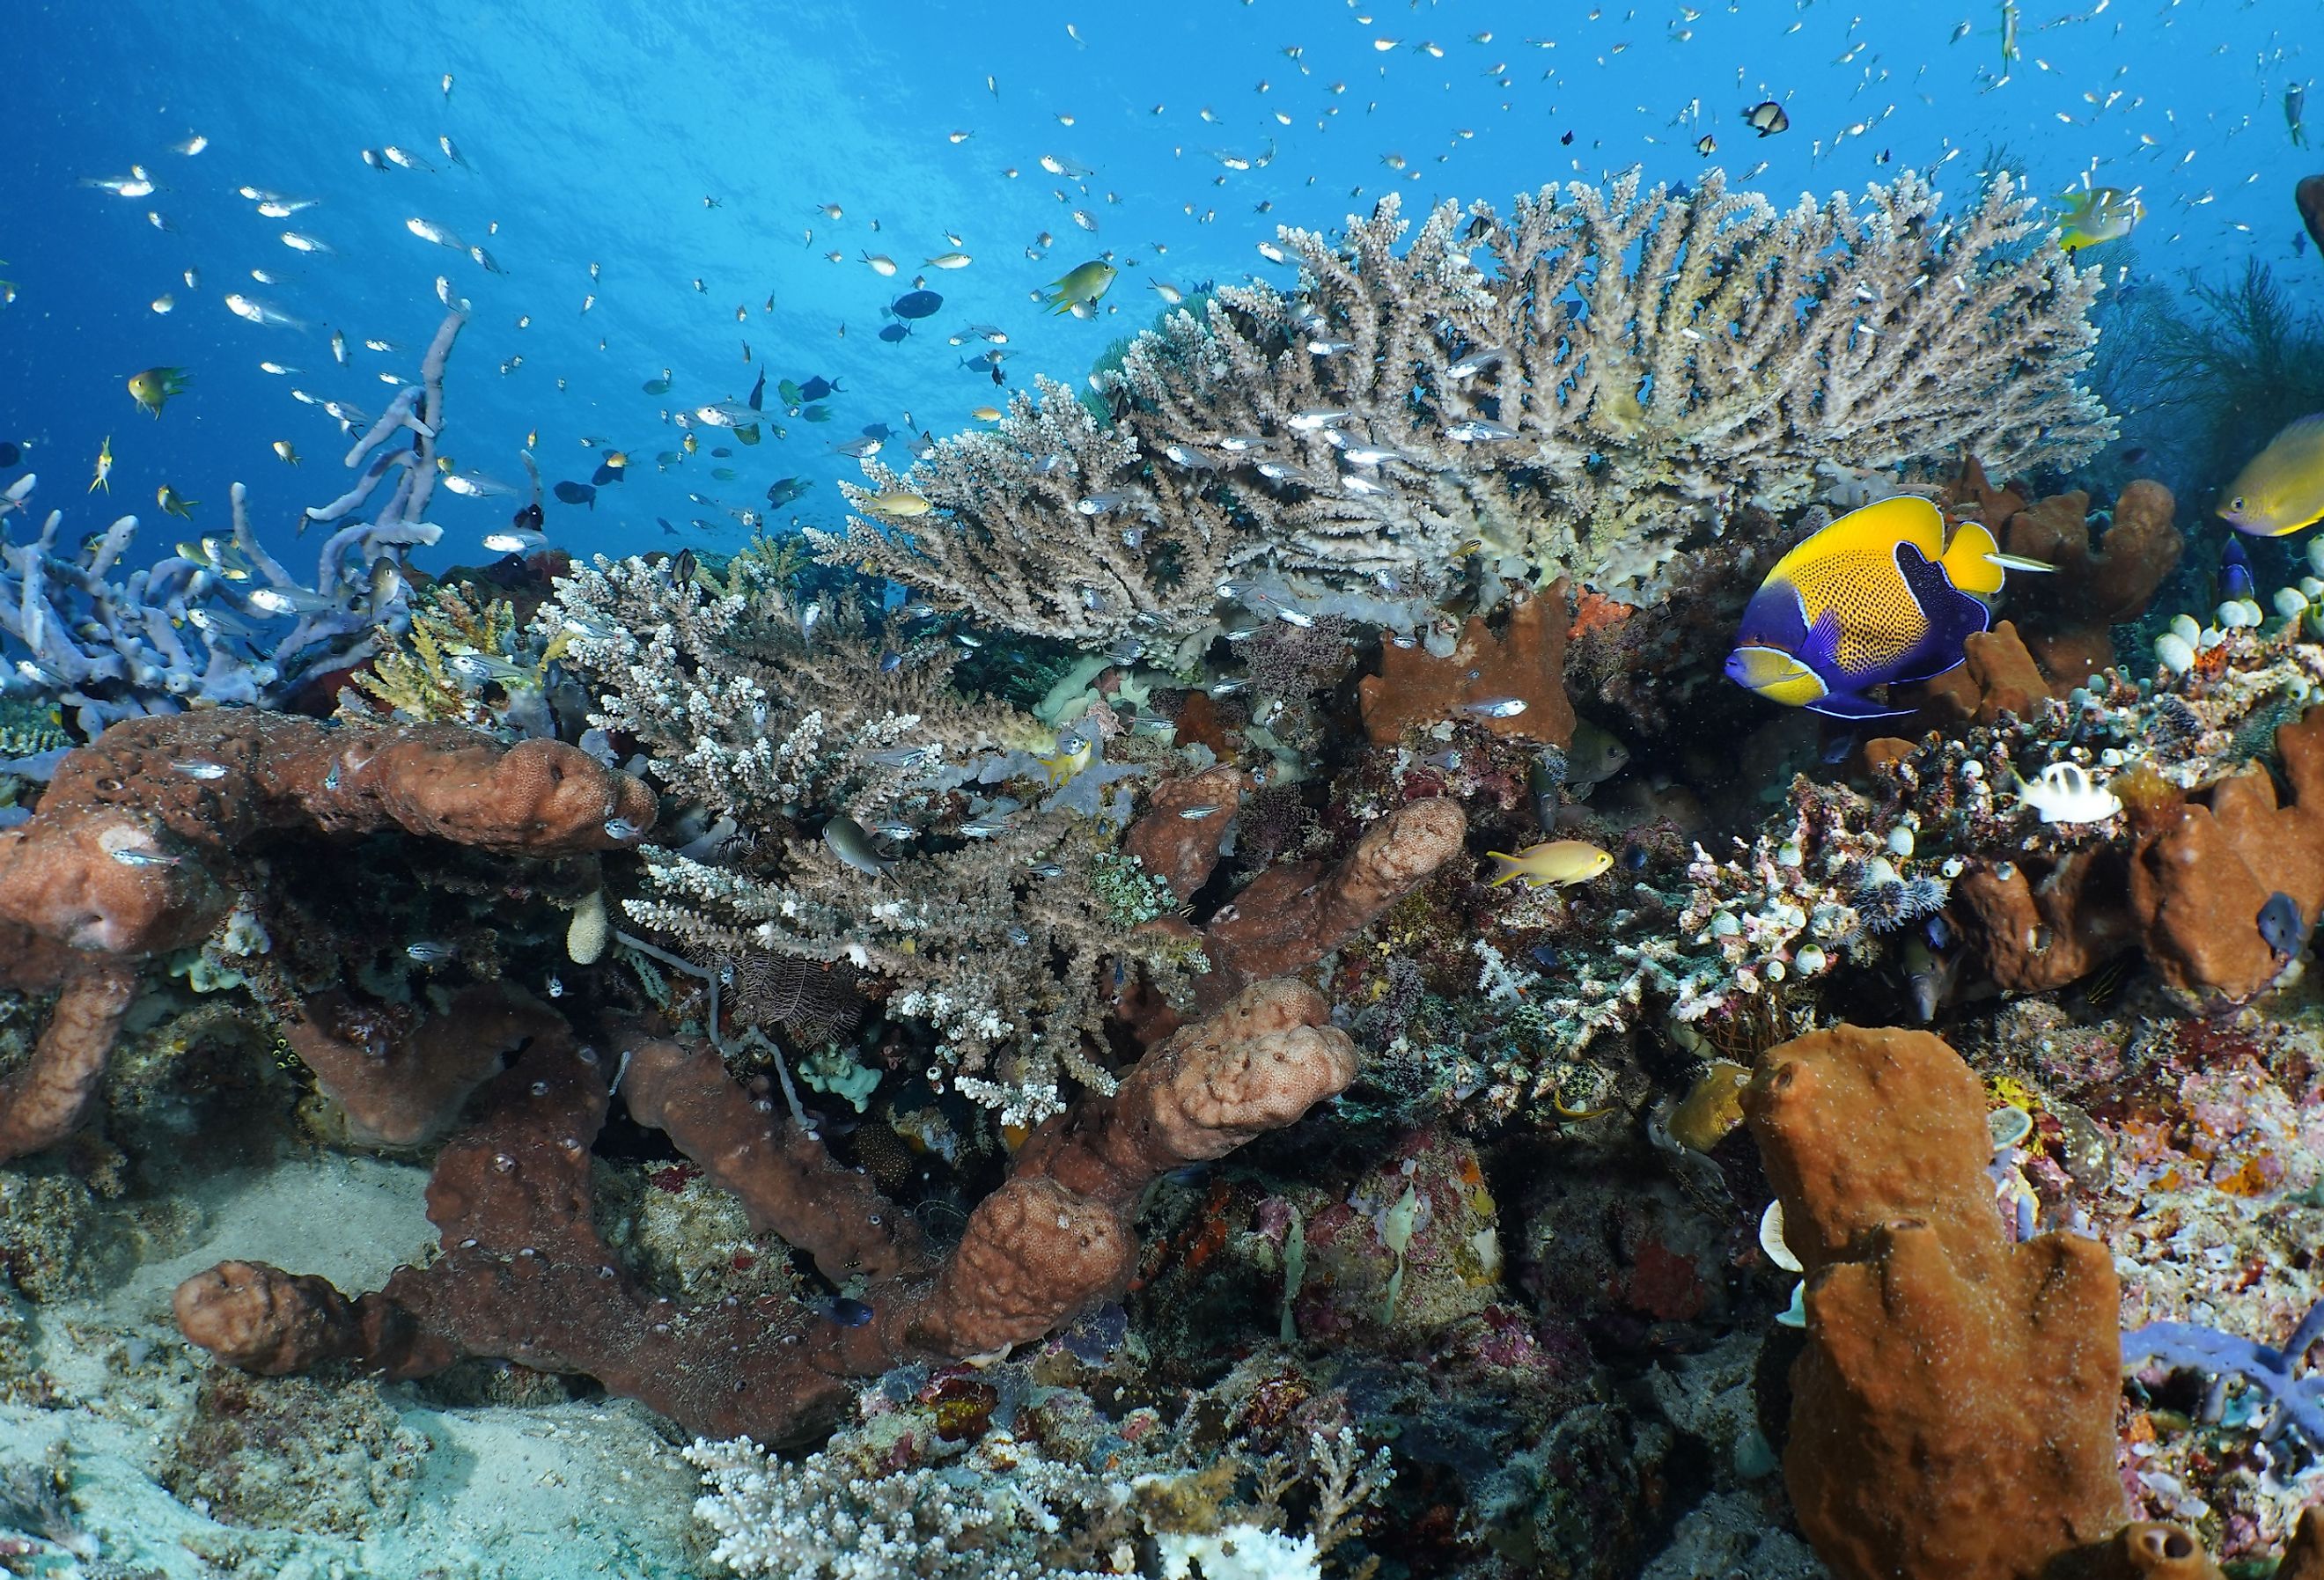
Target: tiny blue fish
x: 2235, y: 573
x: 2281, y: 926
x: 844, y: 1312
x: 890, y: 662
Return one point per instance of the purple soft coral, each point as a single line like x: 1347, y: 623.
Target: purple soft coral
x: 2188, y: 1346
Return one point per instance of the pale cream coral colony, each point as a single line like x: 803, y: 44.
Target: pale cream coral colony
x: 1579, y: 387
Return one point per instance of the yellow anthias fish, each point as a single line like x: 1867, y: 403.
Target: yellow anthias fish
x: 900, y: 502
x: 2280, y: 490
x: 287, y: 450
x: 2098, y: 214
x: 1081, y: 287
x: 1561, y: 861
x: 103, y: 478
x: 174, y: 503
x: 153, y: 388
x: 986, y: 414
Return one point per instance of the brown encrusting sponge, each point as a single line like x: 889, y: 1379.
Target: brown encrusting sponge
x: 525, y: 1276
x: 143, y: 843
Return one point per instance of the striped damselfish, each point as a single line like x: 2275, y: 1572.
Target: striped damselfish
x: 1879, y: 596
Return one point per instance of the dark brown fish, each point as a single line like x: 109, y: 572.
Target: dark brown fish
x: 2310, y: 196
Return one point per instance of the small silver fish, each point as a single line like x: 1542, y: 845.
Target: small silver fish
x: 1309, y: 422
x: 143, y: 858
x: 1047, y: 869
x: 621, y: 828
x: 905, y: 756
x: 1097, y: 504
x: 1194, y: 813
x: 427, y: 952
x: 985, y: 827
x: 1478, y: 430
x: 1496, y: 706
x: 200, y: 768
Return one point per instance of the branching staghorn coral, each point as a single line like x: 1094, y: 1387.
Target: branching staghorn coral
x: 1626, y: 368
x: 1007, y: 947
x: 755, y: 706
x: 1001, y: 924
x: 201, y: 627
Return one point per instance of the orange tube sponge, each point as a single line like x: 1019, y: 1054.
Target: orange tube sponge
x: 1952, y: 1417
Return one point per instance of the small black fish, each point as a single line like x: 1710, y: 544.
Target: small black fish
x: 2135, y: 456
x: 2281, y: 926
x: 607, y: 473
x: 845, y: 1312
x: 1634, y: 858
x: 663, y: 522
x: 997, y: 378
x: 895, y: 334
x: 759, y: 392
x: 10, y: 454
x: 914, y: 304
x: 529, y: 518
x: 576, y: 494
x: 817, y: 387
x: 1544, y: 957
x: 1567, y: 139
x: 1939, y: 932
x: 879, y: 430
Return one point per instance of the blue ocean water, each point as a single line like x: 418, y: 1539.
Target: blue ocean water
x: 653, y: 182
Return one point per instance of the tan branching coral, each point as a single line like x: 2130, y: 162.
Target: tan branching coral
x: 1629, y: 365
x: 748, y: 706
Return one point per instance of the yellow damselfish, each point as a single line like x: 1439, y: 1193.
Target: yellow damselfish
x: 2099, y: 214
x: 2280, y: 490
x: 1561, y: 861
x: 153, y: 388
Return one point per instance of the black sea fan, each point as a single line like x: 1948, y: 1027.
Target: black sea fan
x: 813, y: 1001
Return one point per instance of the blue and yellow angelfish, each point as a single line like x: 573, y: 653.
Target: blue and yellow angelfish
x: 1881, y: 596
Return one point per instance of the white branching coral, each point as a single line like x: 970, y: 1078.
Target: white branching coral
x: 751, y: 705
x: 1006, y: 947
x: 857, y: 812
x: 994, y: 1513
x: 1580, y: 386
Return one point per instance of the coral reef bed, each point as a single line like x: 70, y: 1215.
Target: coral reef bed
x: 1258, y: 1009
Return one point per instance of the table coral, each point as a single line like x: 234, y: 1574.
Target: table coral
x: 1612, y: 377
